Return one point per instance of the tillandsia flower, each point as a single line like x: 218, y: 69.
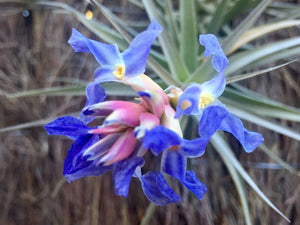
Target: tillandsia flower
x: 116, y: 144
x: 201, y: 99
x: 116, y: 66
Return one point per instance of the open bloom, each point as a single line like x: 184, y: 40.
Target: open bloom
x: 115, y: 144
x: 201, y: 99
x: 116, y: 66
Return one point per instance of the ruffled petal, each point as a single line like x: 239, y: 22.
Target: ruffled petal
x: 95, y: 94
x: 188, y: 102
x: 157, y: 189
x: 173, y: 164
x: 194, y: 185
x: 105, y: 54
x: 193, y: 148
x: 69, y: 126
x: 215, y: 87
x: 123, y: 172
x: 77, y: 164
x: 136, y: 55
x: 249, y: 140
x: 212, y: 47
x: 159, y: 139
x: 210, y: 121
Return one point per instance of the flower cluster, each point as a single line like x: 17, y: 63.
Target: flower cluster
x: 148, y: 123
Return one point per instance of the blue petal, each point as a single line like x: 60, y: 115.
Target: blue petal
x: 193, y: 148
x: 123, y: 173
x: 105, y: 54
x: 191, y: 94
x: 212, y: 47
x: 157, y: 189
x: 136, y: 55
x: 77, y: 165
x: 105, y: 74
x: 159, y: 139
x: 95, y: 94
x: 194, y: 185
x: 215, y: 86
x: 173, y: 164
x: 249, y: 140
x: 76, y: 160
x: 67, y: 125
x: 210, y: 121
x: 91, y: 170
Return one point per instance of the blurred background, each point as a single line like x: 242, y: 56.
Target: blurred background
x: 34, y: 54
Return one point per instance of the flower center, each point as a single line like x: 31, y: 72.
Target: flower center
x: 205, y: 100
x: 119, y: 72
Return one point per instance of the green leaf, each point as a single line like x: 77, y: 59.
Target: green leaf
x: 257, y: 32
x: 218, y: 17
x: 224, y: 150
x: 244, y: 25
x: 241, y: 77
x: 242, y: 61
x: 188, y: 33
x: 93, y: 25
x: 218, y: 142
x: 111, y: 89
x: 175, y: 62
x: 259, y: 105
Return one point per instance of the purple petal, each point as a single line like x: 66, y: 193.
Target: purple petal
x: 194, y: 185
x: 157, y: 189
x: 193, y: 148
x: 173, y: 164
x: 159, y: 139
x: 249, y: 140
x: 123, y: 173
x: 77, y: 165
x: 191, y: 95
x: 136, y: 55
x: 215, y: 86
x: 212, y: 47
x: 105, y: 54
x: 95, y: 94
x: 67, y: 125
x: 211, y: 120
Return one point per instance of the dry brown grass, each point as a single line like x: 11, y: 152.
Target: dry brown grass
x: 32, y: 189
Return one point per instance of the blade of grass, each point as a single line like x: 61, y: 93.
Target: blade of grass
x: 240, y: 61
x: 111, y: 89
x: 218, y: 17
x: 244, y: 25
x: 93, y: 25
x: 260, y: 31
x: 218, y: 144
x: 277, y: 159
x: 241, y: 77
x: 259, y: 105
x: 188, y: 34
x: 175, y: 62
x: 224, y: 149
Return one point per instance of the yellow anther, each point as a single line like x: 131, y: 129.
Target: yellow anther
x: 119, y: 72
x: 205, y: 100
